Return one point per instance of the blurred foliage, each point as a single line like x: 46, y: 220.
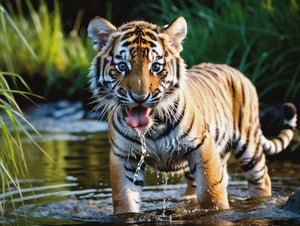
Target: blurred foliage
x: 259, y: 37
x: 61, y: 60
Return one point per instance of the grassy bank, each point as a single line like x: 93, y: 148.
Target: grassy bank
x: 12, y: 161
x: 60, y: 61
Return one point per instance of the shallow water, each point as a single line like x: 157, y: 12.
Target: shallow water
x: 72, y: 186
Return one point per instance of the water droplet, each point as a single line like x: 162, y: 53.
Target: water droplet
x: 163, y: 217
x: 141, y: 135
x: 165, y: 179
x: 157, y: 175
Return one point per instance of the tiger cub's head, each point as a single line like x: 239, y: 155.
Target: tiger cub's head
x: 138, y: 70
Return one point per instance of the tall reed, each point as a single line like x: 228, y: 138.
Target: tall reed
x: 62, y: 59
x: 12, y: 121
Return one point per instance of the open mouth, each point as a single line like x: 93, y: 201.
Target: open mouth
x: 138, y: 117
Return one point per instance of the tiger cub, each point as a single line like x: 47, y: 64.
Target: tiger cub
x: 192, y: 119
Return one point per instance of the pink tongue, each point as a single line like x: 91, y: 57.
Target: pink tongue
x: 138, y: 117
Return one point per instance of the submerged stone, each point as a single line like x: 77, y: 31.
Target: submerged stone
x: 293, y: 203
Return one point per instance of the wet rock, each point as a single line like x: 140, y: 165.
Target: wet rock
x: 293, y: 203
x: 67, y: 110
x: 64, y: 116
x: 58, y: 110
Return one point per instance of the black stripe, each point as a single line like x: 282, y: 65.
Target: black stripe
x: 243, y: 94
x: 285, y: 136
x: 119, y: 148
x: 240, y: 119
x: 136, y: 182
x: 118, y: 155
x: 113, y: 143
x: 188, y: 130
x: 257, y: 131
x: 127, y: 35
x: 244, y: 147
x: 151, y: 36
x: 126, y: 44
x: 250, y: 165
x: 116, y: 83
x: 223, y: 137
x: 281, y: 141
x: 227, y: 148
x: 241, y: 151
x: 129, y: 169
x: 189, y: 176
x: 217, y: 134
x: 98, y: 69
x: 133, y: 170
x: 194, y: 169
x: 126, y: 136
x: 232, y: 87
x: 178, y: 68
x: 152, y: 44
x: 174, y: 124
x: 256, y: 180
x: 286, y: 126
x: 189, y: 151
x: 107, y: 83
x: 213, y: 74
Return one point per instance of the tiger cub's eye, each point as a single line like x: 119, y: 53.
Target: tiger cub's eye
x: 156, y: 68
x: 122, y: 68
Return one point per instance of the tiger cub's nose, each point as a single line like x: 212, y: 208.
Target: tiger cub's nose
x: 139, y: 98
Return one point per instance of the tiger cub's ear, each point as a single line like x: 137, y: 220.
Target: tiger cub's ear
x: 177, y: 31
x: 99, y: 30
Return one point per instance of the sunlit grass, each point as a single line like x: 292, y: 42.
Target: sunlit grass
x: 12, y: 160
x: 62, y: 59
x: 12, y: 121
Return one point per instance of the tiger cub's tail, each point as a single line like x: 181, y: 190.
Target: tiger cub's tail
x: 279, y: 143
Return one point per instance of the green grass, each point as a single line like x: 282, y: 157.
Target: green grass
x: 259, y: 37
x: 12, y: 121
x: 12, y: 161
x: 61, y: 60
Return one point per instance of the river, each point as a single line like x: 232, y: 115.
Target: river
x: 71, y: 186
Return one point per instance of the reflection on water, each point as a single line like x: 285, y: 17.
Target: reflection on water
x: 73, y: 186
x: 82, y: 158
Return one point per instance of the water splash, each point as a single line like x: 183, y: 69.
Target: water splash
x: 141, y: 135
x: 165, y: 179
x: 164, y: 217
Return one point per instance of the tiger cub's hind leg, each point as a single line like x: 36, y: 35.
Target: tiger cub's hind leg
x: 253, y: 163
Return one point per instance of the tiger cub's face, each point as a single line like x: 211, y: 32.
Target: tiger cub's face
x: 137, y: 69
